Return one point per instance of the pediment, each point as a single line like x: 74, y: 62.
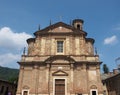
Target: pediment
x: 56, y: 28
x: 60, y: 29
x: 60, y: 73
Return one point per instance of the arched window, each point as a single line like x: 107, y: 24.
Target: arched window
x: 78, y: 26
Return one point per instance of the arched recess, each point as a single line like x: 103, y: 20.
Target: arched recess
x: 93, y: 90
x: 59, y: 57
x: 93, y: 87
x: 25, y: 90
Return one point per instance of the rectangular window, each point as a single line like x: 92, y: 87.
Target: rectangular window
x: 59, y: 46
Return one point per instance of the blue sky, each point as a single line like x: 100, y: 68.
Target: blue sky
x: 19, y: 19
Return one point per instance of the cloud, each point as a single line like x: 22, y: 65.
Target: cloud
x: 110, y: 40
x: 117, y: 27
x: 12, y: 40
x: 9, y: 59
x: 11, y: 45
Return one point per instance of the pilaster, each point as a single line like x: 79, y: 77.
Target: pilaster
x: 20, y: 81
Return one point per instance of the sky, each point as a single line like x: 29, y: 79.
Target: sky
x: 19, y: 19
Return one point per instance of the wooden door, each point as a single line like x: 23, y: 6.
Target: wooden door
x: 25, y: 93
x: 59, y: 86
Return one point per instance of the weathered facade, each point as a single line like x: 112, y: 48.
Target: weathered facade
x: 60, y: 61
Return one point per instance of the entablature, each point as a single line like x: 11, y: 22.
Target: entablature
x: 60, y: 59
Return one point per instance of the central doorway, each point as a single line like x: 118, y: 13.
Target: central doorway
x: 59, y: 86
x: 94, y: 93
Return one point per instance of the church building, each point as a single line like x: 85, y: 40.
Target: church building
x: 60, y: 60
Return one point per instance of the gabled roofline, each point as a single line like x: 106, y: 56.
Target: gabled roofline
x: 53, y: 26
x: 45, y: 30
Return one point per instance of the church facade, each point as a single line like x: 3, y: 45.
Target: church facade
x: 60, y: 61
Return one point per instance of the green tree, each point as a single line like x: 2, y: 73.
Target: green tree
x: 13, y: 79
x: 105, y: 69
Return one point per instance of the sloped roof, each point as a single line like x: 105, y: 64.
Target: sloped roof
x: 104, y: 76
x: 45, y: 30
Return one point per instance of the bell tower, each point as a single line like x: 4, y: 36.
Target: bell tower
x: 78, y: 24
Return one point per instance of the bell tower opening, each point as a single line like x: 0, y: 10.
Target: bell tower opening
x: 78, y: 23
x: 78, y: 26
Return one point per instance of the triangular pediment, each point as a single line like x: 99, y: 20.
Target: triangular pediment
x: 60, y: 26
x: 57, y: 27
x: 60, y: 29
x: 60, y: 73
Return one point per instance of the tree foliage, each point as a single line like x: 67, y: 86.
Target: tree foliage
x: 105, y: 69
x: 9, y: 74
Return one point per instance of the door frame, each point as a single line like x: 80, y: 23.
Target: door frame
x: 25, y: 90
x: 54, y: 85
x: 93, y: 90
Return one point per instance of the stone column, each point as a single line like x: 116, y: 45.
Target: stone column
x: 20, y: 81
x: 43, y: 46
x: 77, y: 45
x: 71, y: 78
x: 85, y: 75
x: 53, y: 46
x: 100, y: 86
x: 48, y: 78
x: 36, y: 79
